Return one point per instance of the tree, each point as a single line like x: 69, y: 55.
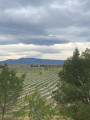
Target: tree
x: 73, y: 93
x: 38, y: 110
x: 10, y: 88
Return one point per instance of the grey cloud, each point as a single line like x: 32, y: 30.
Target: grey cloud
x: 18, y: 25
x: 42, y: 23
x: 85, y: 5
x: 85, y: 33
x: 22, y: 28
x: 33, y: 2
x: 44, y: 40
x: 37, y: 40
x: 7, y: 4
x: 4, y: 4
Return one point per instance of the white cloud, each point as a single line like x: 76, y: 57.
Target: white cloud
x: 63, y: 51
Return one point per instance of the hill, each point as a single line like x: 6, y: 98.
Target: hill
x: 33, y: 61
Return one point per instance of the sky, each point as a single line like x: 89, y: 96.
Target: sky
x: 47, y: 29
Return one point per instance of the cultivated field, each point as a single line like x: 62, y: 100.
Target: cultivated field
x: 43, y: 79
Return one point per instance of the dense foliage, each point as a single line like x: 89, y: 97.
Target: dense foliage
x: 73, y: 93
x: 10, y: 88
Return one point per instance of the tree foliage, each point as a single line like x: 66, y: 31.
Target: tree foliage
x: 38, y: 110
x: 73, y: 93
x: 10, y: 88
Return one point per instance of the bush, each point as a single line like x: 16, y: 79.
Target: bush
x: 38, y: 110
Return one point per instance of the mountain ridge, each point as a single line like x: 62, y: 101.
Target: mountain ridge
x: 33, y: 61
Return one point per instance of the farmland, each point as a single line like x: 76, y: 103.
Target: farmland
x: 43, y: 79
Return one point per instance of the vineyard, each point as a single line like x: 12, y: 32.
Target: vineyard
x: 44, y: 80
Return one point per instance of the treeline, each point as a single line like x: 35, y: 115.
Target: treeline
x: 46, y: 65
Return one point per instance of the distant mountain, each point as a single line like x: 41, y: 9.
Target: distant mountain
x: 33, y: 61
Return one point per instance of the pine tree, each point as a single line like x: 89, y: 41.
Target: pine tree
x: 73, y: 93
x: 10, y: 88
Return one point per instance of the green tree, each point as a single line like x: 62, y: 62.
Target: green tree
x: 38, y: 110
x: 73, y: 93
x: 10, y: 88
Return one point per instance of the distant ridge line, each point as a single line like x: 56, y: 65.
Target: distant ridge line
x: 33, y: 61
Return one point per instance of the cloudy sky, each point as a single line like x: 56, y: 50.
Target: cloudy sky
x: 48, y: 29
